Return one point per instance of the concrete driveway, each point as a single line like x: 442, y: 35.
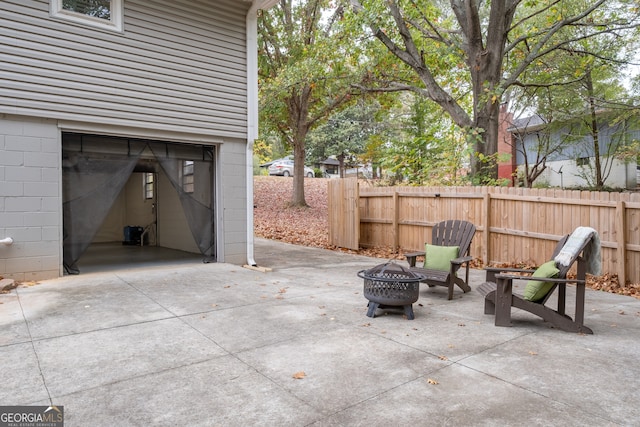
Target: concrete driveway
x: 219, y: 345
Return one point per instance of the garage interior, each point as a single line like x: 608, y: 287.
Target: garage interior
x: 130, y: 203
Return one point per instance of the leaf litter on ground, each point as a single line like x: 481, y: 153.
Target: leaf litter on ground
x: 275, y: 219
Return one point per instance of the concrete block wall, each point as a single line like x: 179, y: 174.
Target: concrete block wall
x: 233, y: 163
x: 30, y: 199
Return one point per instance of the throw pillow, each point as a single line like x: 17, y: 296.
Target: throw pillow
x: 439, y: 257
x: 537, y: 290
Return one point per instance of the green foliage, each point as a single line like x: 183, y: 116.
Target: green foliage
x: 630, y: 152
x: 308, y: 62
x: 427, y: 148
x: 346, y: 132
x: 307, y: 65
x: 577, y: 88
x: 262, y: 150
x: 484, y: 176
x: 257, y: 170
x: 466, y: 55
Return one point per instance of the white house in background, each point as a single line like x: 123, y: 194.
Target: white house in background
x: 133, y: 112
x: 567, y: 166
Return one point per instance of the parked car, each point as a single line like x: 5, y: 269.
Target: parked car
x: 285, y: 168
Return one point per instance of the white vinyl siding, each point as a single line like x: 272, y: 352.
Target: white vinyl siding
x: 178, y: 66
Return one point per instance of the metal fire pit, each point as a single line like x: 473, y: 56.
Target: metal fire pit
x: 391, y: 285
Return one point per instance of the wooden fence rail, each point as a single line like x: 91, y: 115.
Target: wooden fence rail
x: 513, y: 224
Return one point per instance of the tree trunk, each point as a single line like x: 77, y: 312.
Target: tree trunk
x: 594, y: 132
x: 299, y: 113
x: 485, y: 58
x: 484, y: 164
x: 298, y: 198
x: 340, y: 158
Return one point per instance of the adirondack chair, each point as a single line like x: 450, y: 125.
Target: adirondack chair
x: 448, y: 234
x: 581, y: 247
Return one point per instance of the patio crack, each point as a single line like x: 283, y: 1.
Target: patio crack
x: 33, y: 347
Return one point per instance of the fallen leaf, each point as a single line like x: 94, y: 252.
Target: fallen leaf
x: 275, y: 220
x: 533, y: 353
x: 299, y: 375
x: 430, y: 381
x: 443, y: 358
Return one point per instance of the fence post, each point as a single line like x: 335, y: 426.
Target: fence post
x: 486, y: 220
x: 396, y: 220
x: 621, y: 228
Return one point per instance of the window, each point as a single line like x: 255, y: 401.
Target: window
x: 187, y: 176
x: 582, y: 161
x: 105, y: 14
x: 148, y: 185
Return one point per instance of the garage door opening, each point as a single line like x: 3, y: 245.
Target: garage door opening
x: 152, y: 197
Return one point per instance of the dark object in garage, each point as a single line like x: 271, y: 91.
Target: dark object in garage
x: 132, y: 235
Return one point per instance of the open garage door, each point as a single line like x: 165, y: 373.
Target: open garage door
x: 95, y: 169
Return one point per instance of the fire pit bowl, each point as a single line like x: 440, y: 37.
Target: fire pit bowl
x: 391, y: 285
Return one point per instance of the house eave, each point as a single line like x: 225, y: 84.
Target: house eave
x: 262, y: 4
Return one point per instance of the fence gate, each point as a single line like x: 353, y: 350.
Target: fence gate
x: 344, y: 213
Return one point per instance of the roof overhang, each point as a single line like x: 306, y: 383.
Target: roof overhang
x: 262, y: 4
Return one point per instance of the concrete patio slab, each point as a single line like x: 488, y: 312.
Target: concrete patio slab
x: 80, y: 361
x: 458, y: 396
x: 83, y: 304
x: 22, y: 379
x: 221, y: 391
x: 189, y: 343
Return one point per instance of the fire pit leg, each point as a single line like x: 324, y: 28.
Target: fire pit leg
x: 408, y: 311
x: 373, y: 306
x: 372, y: 309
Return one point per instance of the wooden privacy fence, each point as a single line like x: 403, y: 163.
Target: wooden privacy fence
x: 513, y: 224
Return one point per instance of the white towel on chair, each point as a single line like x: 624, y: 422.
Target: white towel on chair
x: 591, y: 251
